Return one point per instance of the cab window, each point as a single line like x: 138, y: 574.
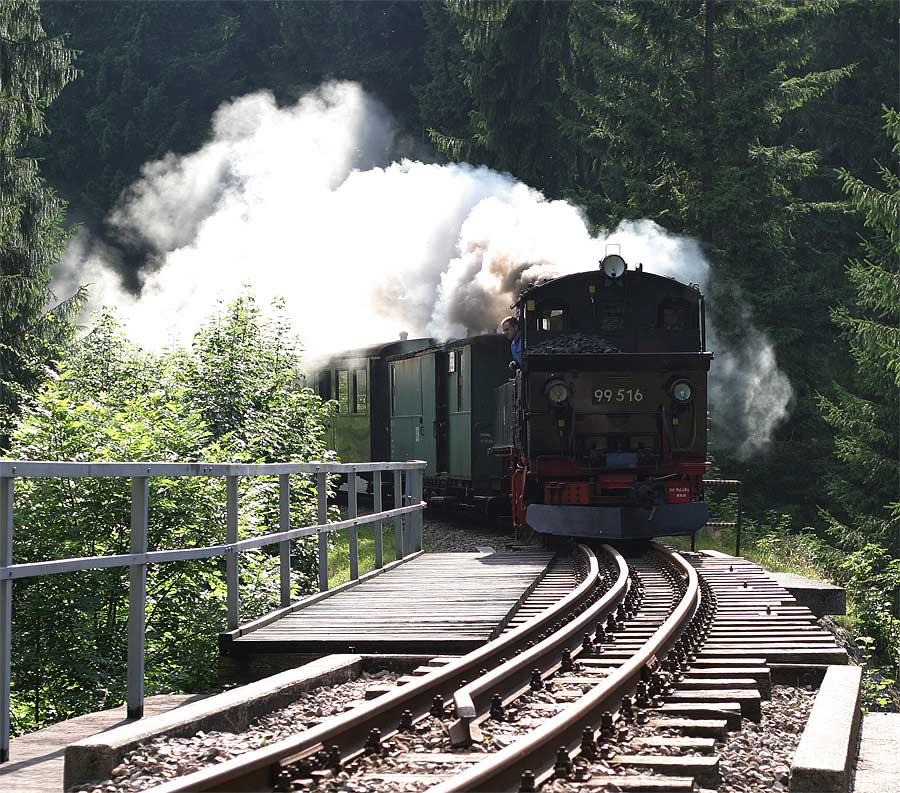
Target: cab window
x: 552, y: 318
x: 324, y: 384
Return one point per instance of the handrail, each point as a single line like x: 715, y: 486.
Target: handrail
x: 49, y: 468
x: 33, y: 569
x: 407, y: 502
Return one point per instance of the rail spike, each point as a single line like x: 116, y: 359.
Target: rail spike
x: 563, y: 767
x: 588, y: 744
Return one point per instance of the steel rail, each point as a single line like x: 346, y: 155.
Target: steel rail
x: 537, y: 751
x: 511, y: 679
x: 262, y: 768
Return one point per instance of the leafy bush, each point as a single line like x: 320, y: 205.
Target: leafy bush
x: 235, y: 395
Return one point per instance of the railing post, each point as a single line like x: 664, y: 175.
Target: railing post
x: 409, y: 523
x: 284, y: 524
x: 353, y: 532
x: 378, y: 528
x: 231, y: 559
x: 322, y: 491
x: 137, y: 596
x: 398, y: 521
x: 418, y: 498
x: 737, y: 520
x: 6, y: 547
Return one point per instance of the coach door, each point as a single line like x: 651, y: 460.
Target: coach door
x: 441, y: 420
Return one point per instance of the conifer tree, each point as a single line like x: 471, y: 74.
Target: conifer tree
x: 865, y: 416
x: 517, y: 53
x: 864, y: 518
x: 685, y: 115
x: 34, y: 68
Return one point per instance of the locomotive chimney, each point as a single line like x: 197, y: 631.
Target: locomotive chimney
x: 403, y: 335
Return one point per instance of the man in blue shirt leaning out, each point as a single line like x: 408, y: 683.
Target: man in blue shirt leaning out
x: 510, y: 328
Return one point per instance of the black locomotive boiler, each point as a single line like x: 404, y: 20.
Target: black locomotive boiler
x: 604, y: 425
x: 601, y: 432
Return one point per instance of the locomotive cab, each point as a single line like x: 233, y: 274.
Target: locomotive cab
x: 610, y: 414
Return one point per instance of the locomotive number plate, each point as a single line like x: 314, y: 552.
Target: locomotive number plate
x: 612, y: 395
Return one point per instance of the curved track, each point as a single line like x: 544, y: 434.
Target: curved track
x: 534, y: 757
x: 343, y: 738
x: 599, y: 686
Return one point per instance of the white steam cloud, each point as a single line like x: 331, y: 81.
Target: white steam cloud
x: 317, y: 204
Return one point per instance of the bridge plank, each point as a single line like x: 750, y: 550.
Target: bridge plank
x: 463, y: 599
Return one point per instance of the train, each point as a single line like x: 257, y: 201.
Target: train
x: 600, y: 432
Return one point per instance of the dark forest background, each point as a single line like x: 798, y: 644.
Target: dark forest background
x: 767, y: 130
x: 722, y: 121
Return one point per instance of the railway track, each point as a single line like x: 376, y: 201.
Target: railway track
x: 619, y: 633
x: 618, y: 671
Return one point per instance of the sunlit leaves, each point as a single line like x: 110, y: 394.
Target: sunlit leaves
x: 236, y: 395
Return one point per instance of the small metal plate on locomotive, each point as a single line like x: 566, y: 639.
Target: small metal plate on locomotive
x: 618, y: 391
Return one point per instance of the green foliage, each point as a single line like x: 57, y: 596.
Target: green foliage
x: 864, y: 515
x: 514, y: 56
x: 871, y: 577
x: 865, y: 416
x: 236, y: 395
x: 776, y: 546
x: 154, y: 73
x: 34, y: 68
x: 876, y: 687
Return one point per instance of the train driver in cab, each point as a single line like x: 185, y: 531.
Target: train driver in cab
x: 510, y: 328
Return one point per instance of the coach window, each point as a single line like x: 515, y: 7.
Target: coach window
x: 360, y: 391
x: 343, y: 390
x: 324, y: 384
x: 552, y: 318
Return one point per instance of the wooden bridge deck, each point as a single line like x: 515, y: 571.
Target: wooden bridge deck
x: 433, y: 603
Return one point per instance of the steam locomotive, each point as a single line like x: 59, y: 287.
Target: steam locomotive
x: 601, y: 432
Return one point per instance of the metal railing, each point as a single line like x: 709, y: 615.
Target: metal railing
x: 407, y: 497
x: 735, y: 486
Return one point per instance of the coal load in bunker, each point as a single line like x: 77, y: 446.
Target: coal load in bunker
x: 599, y: 433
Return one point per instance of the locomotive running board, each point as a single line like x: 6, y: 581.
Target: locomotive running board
x: 617, y: 522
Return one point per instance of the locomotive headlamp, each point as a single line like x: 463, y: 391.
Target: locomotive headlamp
x: 557, y: 392
x: 682, y: 391
x: 613, y: 266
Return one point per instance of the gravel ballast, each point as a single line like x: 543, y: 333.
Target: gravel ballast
x: 464, y: 533
x: 166, y: 758
x: 758, y: 757
x: 163, y: 759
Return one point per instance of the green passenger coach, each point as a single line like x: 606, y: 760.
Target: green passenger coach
x: 415, y: 399
x: 442, y: 411
x: 357, y: 380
